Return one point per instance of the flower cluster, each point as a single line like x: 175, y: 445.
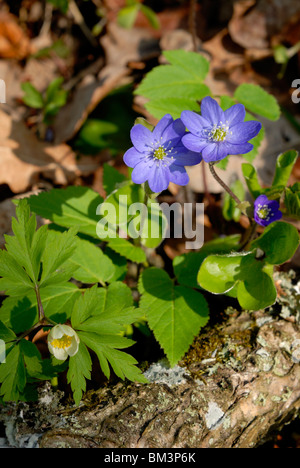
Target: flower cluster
x: 160, y: 157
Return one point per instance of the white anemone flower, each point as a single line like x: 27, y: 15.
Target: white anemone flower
x: 63, y: 342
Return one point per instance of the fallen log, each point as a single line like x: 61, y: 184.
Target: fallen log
x: 239, y: 382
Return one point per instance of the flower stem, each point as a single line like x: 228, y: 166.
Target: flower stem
x: 40, y: 305
x: 222, y: 183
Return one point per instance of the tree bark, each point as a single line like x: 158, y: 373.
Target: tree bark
x: 249, y: 387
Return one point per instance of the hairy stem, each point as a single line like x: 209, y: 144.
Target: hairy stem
x: 222, y: 183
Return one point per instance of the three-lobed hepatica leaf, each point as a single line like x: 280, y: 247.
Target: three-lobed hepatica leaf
x: 245, y: 275
x: 241, y: 275
x: 186, y: 266
x: 175, y: 314
x: 177, y: 86
x: 279, y: 242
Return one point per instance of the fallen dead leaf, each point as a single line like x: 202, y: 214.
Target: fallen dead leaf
x: 14, y: 43
x: 24, y: 159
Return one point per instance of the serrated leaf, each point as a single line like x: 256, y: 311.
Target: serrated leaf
x: 172, y: 105
x: 91, y: 264
x: 80, y: 367
x: 175, y: 314
x: 58, y: 250
x: 6, y: 334
x: 177, y: 86
x: 122, y: 363
x: 32, y: 358
x: 21, y: 313
x: 257, y: 101
x: 70, y: 207
x: 12, y: 375
x: 127, y: 250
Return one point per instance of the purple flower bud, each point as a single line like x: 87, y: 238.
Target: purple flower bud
x: 217, y: 133
x: 159, y: 157
x: 266, y: 211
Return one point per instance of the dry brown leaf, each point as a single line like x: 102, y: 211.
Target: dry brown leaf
x: 24, y: 158
x: 254, y: 23
x: 14, y: 43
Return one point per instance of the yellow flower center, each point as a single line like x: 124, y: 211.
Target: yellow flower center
x: 159, y: 153
x: 62, y: 343
x: 263, y: 212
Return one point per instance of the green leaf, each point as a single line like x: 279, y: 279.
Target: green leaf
x: 62, y: 5
x: 151, y: 16
x: 284, y: 166
x: 292, y: 200
x: 32, y: 358
x: 279, y: 242
x: 91, y: 264
x: 70, y: 207
x: 6, y: 334
x: 80, y: 367
x: 251, y: 178
x: 32, y: 97
x: 258, y: 101
x: 26, y: 242
x: 256, y: 289
x: 250, y: 279
x: 177, y: 86
x: 186, y: 266
x: 220, y: 273
x: 12, y: 375
x: 173, y: 105
x: 21, y: 313
x: 105, y: 310
x: 59, y: 248
x: 127, y: 250
x: 122, y: 363
x: 174, y: 313
x: 111, y: 178
x: 127, y: 15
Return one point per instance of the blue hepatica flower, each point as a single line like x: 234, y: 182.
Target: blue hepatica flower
x: 159, y: 157
x: 266, y: 211
x: 217, y: 133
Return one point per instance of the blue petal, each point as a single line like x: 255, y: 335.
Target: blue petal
x: 238, y: 149
x: 178, y: 175
x: 142, y: 138
x: 211, y: 111
x: 194, y: 122
x: 261, y: 200
x: 183, y: 157
x: 173, y: 134
x: 165, y: 122
x: 141, y: 172
x: 214, y: 152
x: 194, y: 143
x: 243, y: 132
x: 132, y: 157
x: 235, y: 114
x: 159, y: 178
